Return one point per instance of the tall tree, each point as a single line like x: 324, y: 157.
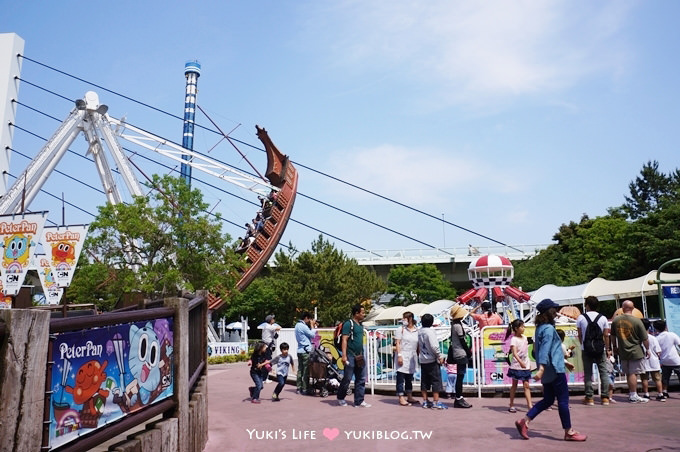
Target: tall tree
x: 157, y: 245
x: 418, y: 283
x: 651, y: 190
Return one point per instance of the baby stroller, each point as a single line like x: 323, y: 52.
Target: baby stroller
x: 323, y: 374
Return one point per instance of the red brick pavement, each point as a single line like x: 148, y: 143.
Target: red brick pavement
x: 307, y: 423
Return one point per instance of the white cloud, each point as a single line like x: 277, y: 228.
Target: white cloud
x: 473, y: 53
x: 426, y: 178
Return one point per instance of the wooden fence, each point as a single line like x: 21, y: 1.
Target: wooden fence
x: 26, y: 365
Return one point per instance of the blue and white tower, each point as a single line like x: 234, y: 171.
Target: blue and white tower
x: 192, y: 70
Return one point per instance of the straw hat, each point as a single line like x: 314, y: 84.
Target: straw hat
x: 458, y: 312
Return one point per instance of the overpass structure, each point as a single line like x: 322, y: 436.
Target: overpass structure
x: 452, y: 262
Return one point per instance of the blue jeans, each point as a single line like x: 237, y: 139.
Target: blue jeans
x: 257, y: 378
x: 556, y: 389
x: 406, y: 379
x: 359, y: 374
x: 281, y: 379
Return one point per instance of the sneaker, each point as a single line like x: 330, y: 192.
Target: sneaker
x: 461, y: 403
x: 637, y: 399
x: 275, y: 398
x: 364, y: 405
x: 605, y: 401
x: 522, y: 428
x: 251, y: 390
x: 666, y: 396
x: 645, y: 395
x: 427, y: 404
x: 439, y: 406
x: 342, y: 403
x: 255, y: 401
x: 512, y: 409
x: 575, y: 436
x: 588, y: 401
x: 660, y: 398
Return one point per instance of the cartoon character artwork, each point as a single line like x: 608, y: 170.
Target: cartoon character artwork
x: 101, y: 375
x: 149, y: 364
x: 15, y: 257
x: 87, y: 392
x: 63, y: 252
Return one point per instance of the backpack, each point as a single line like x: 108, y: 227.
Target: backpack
x: 337, y: 334
x: 593, y: 342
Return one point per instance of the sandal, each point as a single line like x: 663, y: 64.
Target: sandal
x: 404, y: 403
x: 512, y: 409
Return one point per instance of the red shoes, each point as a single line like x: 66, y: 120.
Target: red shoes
x: 574, y: 436
x: 522, y: 428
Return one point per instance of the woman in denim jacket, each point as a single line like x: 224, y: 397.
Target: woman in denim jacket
x: 551, y: 372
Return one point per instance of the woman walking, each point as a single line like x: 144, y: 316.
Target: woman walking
x: 551, y: 372
x: 406, y: 341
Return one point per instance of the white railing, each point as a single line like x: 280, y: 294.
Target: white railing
x: 457, y: 254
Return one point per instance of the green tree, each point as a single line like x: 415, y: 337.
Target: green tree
x: 418, y: 283
x: 157, y: 245
x: 651, y: 191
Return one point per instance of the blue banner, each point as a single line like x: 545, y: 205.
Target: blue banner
x: 671, y: 306
x: 101, y: 375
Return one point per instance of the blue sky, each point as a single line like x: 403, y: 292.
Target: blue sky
x: 508, y: 118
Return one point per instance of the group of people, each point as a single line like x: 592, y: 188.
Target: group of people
x: 640, y: 354
x: 257, y: 224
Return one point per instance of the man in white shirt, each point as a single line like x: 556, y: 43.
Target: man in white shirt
x: 669, y: 357
x: 591, y: 304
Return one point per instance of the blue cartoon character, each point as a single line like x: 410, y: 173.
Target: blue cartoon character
x: 146, y: 361
x: 15, y: 256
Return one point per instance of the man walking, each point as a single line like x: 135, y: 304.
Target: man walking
x: 630, y: 334
x: 304, y: 332
x: 353, y: 358
x: 593, y: 333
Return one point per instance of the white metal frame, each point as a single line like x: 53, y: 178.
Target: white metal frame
x: 101, y: 131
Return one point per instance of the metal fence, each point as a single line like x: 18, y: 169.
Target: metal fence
x: 379, y: 343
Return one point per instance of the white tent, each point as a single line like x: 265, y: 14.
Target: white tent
x: 395, y: 313
x: 604, y: 289
x: 437, y: 307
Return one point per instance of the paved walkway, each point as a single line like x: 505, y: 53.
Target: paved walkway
x: 303, y: 423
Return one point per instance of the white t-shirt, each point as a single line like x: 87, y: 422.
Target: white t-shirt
x: 268, y: 332
x: 669, y: 353
x: 582, y: 323
x: 652, y: 363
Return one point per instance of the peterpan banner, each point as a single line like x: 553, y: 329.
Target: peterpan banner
x: 62, y: 244
x: 19, y: 236
x: 51, y: 289
x: 101, y: 375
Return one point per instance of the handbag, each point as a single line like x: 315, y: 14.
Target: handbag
x: 359, y: 361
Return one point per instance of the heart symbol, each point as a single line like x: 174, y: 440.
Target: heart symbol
x: 331, y: 433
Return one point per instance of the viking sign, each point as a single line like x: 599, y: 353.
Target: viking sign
x: 19, y: 235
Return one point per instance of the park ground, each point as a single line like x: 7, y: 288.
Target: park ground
x: 313, y: 423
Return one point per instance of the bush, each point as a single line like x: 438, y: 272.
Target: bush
x: 228, y: 359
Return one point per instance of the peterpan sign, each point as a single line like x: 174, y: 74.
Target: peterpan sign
x: 103, y: 374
